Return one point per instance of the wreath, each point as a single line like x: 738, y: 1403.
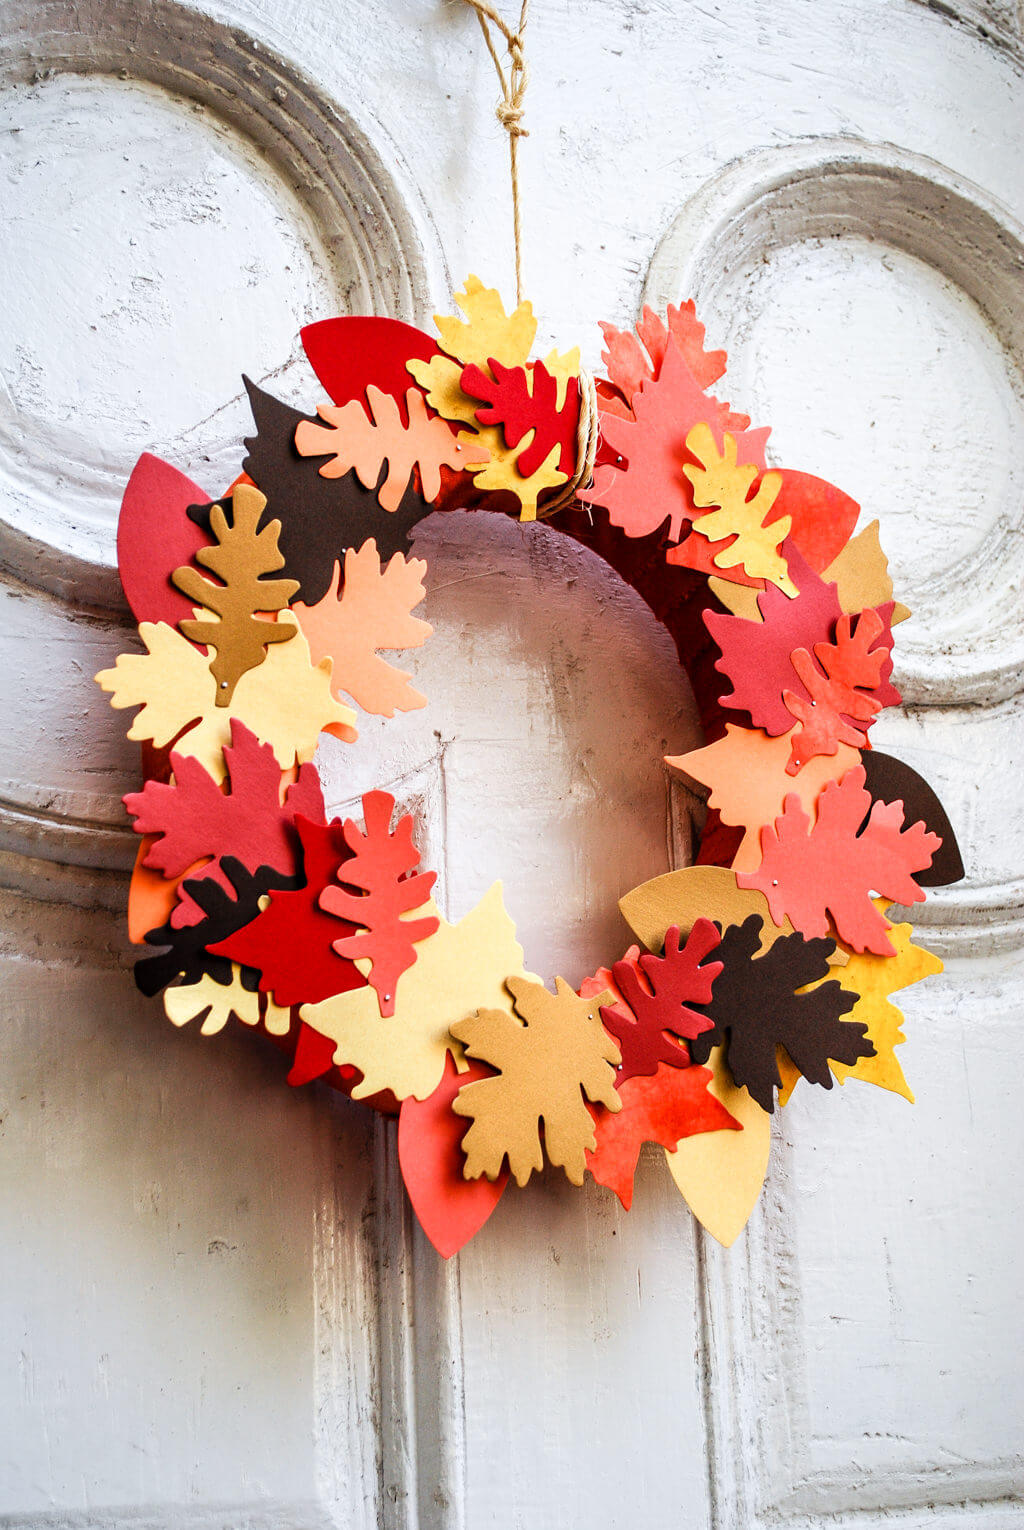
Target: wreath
x: 265, y: 616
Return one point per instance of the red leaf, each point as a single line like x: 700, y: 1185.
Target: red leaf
x: 314, y: 1058
x: 511, y: 404
x: 291, y: 943
x: 380, y: 866
x: 646, y: 484
x: 757, y: 656
x: 659, y: 1009
x: 155, y: 536
x: 833, y: 870
x: 844, y: 689
x: 630, y: 360
x: 665, y: 1107
x: 450, y: 1208
x: 349, y: 354
x: 194, y: 820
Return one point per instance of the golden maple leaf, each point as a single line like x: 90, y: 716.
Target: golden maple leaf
x: 372, y: 611
x: 722, y: 482
x: 551, y: 1059
x: 457, y: 969
x: 489, y: 331
x: 286, y: 702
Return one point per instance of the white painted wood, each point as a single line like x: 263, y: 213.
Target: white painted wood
x: 215, y: 1309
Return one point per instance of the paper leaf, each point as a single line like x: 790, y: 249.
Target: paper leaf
x: 348, y: 354
x: 860, y: 572
x: 451, y: 1209
x: 187, y: 955
x: 488, y: 330
x: 630, y: 360
x: 459, y: 968
x: 548, y: 1061
x: 320, y: 517
x: 889, y: 780
x: 242, y: 558
x: 720, y: 1174
x: 371, y: 610
x: 822, y: 518
x: 381, y: 866
x: 664, y: 1107
x: 647, y: 483
x: 214, y: 1003
x: 291, y: 941
x: 748, y: 774
x: 659, y: 1009
x: 351, y: 442
x: 809, y: 872
x: 755, y: 1010
x: 285, y: 703
x: 524, y: 401
x: 192, y: 820
x: 685, y: 896
x: 155, y: 536
x: 723, y: 482
x: 757, y: 655
x: 872, y: 979
x: 846, y: 689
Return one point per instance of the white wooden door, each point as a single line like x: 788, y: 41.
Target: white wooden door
x: 216, y: 1309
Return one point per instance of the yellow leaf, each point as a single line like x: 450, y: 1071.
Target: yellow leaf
x: 217, y: 1002
x: 459, y: 969
x: 724, y: 483
x: 441, y: 379
x: 502, y: 471
x: 874, y: 978
x: 489, y: 331
x: 720, y: 1174
x: 563, y: 366
x: 285, y: 702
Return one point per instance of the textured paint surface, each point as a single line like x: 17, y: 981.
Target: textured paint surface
x: 215, y: 1309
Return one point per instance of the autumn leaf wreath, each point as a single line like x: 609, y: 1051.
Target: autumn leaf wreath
x: 264, y: 615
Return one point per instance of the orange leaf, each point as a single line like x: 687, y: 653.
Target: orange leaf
x: 348, y: 439
x: 372, y: 611
x: 846, y: 697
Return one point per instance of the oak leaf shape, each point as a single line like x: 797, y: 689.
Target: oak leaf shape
x: 192, y: 820
x: 810, y: 872
x: 659, y: 1015
x: 755, y: 1008
x: 381, y: 867
x: 214, y: 1003
x: 370, y: 608
x: 548, y: 1062
x: 844, y: 689
x: 241, y: 558
x: 285, y: 704
x: 724, y: 483
x: 524, y: 401
x: 456, y: 970
x: 631, y: 360
x: 290, y: 941
x: 664, y: 1107
x: 352, y: 442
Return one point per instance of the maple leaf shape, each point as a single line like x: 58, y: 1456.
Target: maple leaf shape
x: 757, y: 655
x: 286, y: 703
x: 555, y: 1056
x: 215, y: 1002
x: 192, y: 820
x: 290, y: 943
x: 456, y: 969
x: 350, y: 442
x: 843, y: 692
x: 755, y: 1009
x: 241, y: 559
x: 798, y: 866
x: 373, y: 610
x: 488, y: 330
x: 187, y: 955
x: 664, y: 1107
x: 660, y: 1010
x: 381, y: 865
x: 524, y: 401
x: 320, y: 517
x: 631, y: 360
x: 723, y: 482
